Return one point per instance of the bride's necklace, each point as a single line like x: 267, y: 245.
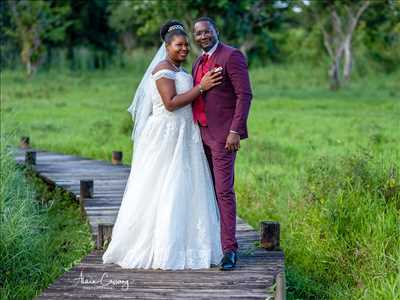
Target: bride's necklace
x: 173, y: 65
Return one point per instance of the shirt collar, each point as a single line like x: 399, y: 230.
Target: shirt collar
x: 212, y: 50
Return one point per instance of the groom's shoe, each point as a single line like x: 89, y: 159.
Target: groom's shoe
x: 228, y: 262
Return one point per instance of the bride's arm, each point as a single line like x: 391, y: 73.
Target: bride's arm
x: 172, y: 101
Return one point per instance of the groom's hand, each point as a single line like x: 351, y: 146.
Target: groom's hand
x: 232, y: 142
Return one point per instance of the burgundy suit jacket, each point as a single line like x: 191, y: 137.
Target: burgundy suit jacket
x: 227, y: 105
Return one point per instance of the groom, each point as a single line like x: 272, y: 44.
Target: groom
x: 222, y: 116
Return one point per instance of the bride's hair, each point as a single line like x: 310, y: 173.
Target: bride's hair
x: 171, y: 29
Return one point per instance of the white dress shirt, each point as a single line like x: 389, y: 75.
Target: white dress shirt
x: 212, y: 50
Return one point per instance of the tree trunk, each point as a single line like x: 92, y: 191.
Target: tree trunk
x: 353, y: 16
x: 29, y: 68
x: 337, y: 33
x: 334, y: 74
x: 348, y: 59
x: 247, y: 45
x: 128, y: 41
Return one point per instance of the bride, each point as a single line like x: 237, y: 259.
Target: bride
x: 168, y: 217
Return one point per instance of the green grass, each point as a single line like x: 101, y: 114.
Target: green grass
x: 42, y: 234
x: 324, y: 164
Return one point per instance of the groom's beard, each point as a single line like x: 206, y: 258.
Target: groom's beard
x: 208, y: 48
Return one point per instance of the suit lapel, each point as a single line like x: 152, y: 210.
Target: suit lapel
x: 217, y: 51
x: 213, y: 58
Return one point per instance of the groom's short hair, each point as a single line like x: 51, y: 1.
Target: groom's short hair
x: 206, y: 19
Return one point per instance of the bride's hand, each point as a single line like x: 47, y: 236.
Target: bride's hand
x: 211, y: 79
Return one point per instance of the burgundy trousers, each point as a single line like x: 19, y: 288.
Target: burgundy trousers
x: 222, y: 166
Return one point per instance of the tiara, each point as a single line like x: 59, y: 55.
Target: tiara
x: 175, y: 27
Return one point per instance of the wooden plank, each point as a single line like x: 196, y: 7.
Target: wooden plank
x: 256, y: 273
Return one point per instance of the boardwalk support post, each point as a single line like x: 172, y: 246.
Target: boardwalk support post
x: 117, y: 157
x: 30, y: 157
x: 280, y: 286
x: 24, y: 142
x: 104, y: 235
x: 86, y: 191
x: 269, y: 235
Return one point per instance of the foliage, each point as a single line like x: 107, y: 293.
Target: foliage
x: 34, y: 22
x: 324, y: 165
x: 350, y: 220
x: 96, y: 34
x: 379, y: 42
x: 42, y: 235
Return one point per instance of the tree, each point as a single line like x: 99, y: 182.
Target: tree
x: 33, y: 22
x: 379, y: 40
x: 249, y: 24
x: 130, y: 18
x: 337, y: 21
x: 242, y: 22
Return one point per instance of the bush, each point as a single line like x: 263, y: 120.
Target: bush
x: 40, y: 240
x: 345, y: 230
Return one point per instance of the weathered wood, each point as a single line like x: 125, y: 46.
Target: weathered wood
x: 253, y: 278
x: 30, y: 157
x: 104, y: 235
x: 86, y: 191
x: 116, y: 157
x: 280, y: 286
x: 24, y: 142
x: 269, y: 235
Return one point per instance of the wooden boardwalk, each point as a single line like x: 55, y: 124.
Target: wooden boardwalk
x: 259, y: 273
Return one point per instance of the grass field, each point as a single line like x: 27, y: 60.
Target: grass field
x: 42, y: 233
x: 324, y: 164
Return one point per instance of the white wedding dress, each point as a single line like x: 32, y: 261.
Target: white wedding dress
x: 168, y: 217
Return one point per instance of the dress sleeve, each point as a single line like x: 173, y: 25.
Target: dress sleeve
x: 164, y: 73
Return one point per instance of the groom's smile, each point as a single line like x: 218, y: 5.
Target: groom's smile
x: 205, y: 35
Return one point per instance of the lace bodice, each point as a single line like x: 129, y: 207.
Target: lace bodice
x: 183, y: 83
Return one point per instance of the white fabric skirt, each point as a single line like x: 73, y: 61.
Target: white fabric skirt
x: 168, y: 217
